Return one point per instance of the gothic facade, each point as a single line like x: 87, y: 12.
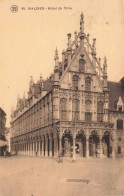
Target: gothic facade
x: 76, y: 112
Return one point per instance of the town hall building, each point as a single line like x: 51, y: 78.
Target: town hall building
x: 76, y: 112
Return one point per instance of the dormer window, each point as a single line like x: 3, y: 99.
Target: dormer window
x: 120, y: 105
x: 120, y: 108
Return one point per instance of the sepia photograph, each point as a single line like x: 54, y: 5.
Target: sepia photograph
x: 62, y: 98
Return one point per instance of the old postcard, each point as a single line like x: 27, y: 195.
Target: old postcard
x: 61, y: 97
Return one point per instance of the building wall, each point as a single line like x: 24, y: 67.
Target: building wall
x: 119, y: 132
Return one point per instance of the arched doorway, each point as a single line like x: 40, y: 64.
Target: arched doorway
x: 106, y: 148
x: 81, y: 145
x: 67, y: 143
x: 93, y: 145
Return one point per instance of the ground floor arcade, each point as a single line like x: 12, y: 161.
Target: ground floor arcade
x: 66, y: 143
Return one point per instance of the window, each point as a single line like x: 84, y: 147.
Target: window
x: 63, y: 109
x: 100, y: 111
x: 119, y: 124
x: 75, y: 82
x: 88, y: 116
x: 88, y: 84
x: 75, y: 109
x: 119, y: 149
x: 120, y: 108
x: 82, y: 63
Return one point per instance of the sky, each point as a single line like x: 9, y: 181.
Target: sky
x: 28, y: 39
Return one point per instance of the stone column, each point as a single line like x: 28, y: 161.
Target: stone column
x: 74, y: 147
x: 87, y: 146
x: 38, y: 149
x: 60, y: 145
x: 33, y: 152
x: 46, y: 146
x: 113, y: 148
x: 43, y: 145
x: 100, y: 147
x: 50, y: 146
x: 24, y: 148
x: 55, y: 146
x: 41, y: 148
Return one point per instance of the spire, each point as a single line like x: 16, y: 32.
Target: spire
x: 69, y: 40
x: 76, y: 44
x: 41, y: 79
x: 56, y: 58
x: 82, y: 23
x: 31, y: 81
x: 82, y: 29
x: 105, y: 66
x: 94, y: 47
x: 63, y: 56
x: 105, y: 73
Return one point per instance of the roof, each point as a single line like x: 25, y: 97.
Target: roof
x: 116, y: 90
x: 2, y: 111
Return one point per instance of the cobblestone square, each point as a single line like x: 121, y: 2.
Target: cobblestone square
x: 36, y: 176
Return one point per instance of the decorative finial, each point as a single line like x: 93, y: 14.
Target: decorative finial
x: 82, y: 16
x: 56, y: 58
x: 56, y: 54
x: 31, y: 81
x: 105, y: 66
x: 41, y: 77
x: 69, y: 40
x: 105, y: 60
x: 94, y: 46
x: 63, y: 52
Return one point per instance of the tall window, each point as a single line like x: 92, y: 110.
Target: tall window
x: 63, y: 109
x: 119, y: 149
x: 82, y: 63
x: 75, y: 82
x: 88, y: 84
x: 88, y: 116
x: 75, y: 109
x: 100, y: 111
x: 119, y: 124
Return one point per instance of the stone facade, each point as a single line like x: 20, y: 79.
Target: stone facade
x: 70, y: 113
x: 2, y: 131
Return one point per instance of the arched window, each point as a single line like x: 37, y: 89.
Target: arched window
x: 63, y: 109
x: 75, y: 109
x: 119, y: 124
x: 100, y: 111
x: 75, y: 82
x: 88, y: 84
x: 82, y: 63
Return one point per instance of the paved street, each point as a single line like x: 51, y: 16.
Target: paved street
x: 36, y: 176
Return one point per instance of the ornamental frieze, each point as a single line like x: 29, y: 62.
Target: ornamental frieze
x: 88, y: 95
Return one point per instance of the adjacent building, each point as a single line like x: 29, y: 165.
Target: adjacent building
x: 2, y: 131
x: 76, y: 112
